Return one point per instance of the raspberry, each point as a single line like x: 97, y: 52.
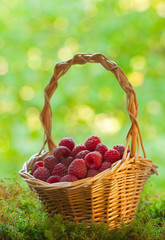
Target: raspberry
x: 78, y: 168
x: 61, y: 152
x: 69, y: 178
x: 67, y: 161
x: 92, y: 172
x: 78, y: 149
x: 50, y: 162
x: 93, y: 160
x: 104, y: 166
x: 92, y: 142
x: 101, y: 148
x: 120, y: 148
x: 82, y: 154
x: 112, y: 156
x: 41, y: 173
x: 60, y: 170
x: 54, y: 179
x: 36, y: 165
x: 67, y: 142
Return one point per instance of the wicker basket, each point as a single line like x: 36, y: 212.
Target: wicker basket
x: 111, y: 196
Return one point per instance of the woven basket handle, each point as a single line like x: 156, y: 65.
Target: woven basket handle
x: 132, y: 106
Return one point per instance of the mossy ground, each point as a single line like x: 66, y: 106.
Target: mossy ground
x: 22, y: 217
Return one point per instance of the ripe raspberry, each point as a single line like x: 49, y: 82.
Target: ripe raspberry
x: 61, y: 152
x: 67, y: 142
x: 41, y: 173
x: 101, y: 148
x: 78, y: 149
x: 104, y: 166
x: 120, y: 148
x: 93, y: 160
x: 78, y: 168
x: 112, y: 156
x: 92, y: 142
x: 67, y: 161
x: 92, y: 172
x: 60, y: 170
x: 36, y: 165
x: 82, y: 154
x: 69, y: 178
x: 50, y: 162
x: 54, y: 179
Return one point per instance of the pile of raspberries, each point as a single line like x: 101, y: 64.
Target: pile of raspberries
x: 70, y: 163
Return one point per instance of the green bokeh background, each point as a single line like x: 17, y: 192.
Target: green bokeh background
x: 36, y: 35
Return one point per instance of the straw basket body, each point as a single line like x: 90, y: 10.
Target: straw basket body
x: 112, y: 196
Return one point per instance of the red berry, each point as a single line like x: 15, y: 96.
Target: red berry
x: 112, y: 156
x: 92, y: 142
x: 50, y: 162
x: 54, y: 179
x: 120, y: 148
x: 61, y: 152
x: 82, y: 154
x: 92, y: 172
x: 36, y: 165
x: 67, y: 142
x: 101, y: 148
x: 104, y: 166
x: 60, y: 170
x: 41, y: 173
x: 93, y: 160
x: 69, y: 178
x: 78, y: 149
x: 78, y: 168
x: 67, y: 161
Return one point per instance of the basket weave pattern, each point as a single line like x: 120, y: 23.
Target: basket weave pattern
x: 111, y: 196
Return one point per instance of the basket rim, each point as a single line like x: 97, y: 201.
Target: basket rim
x: 85, y: 182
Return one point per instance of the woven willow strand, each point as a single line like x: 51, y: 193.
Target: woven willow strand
x: 63, y: 67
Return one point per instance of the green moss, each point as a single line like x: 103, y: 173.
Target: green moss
x: 21, y: 212
x: 23, y: 217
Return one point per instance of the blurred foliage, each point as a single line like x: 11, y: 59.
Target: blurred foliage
x: 34, y: 37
